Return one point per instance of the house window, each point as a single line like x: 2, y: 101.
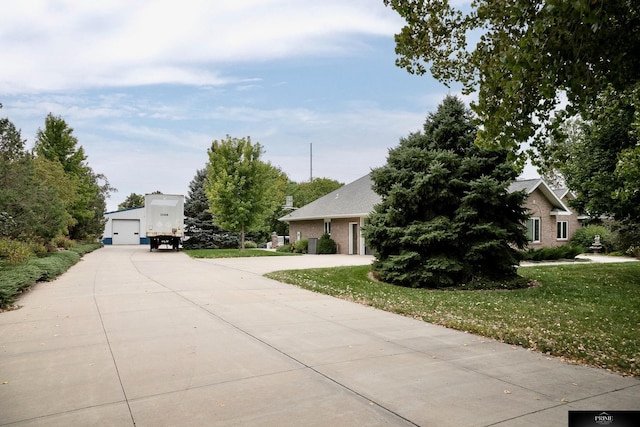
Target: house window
x: 533, y: 230
x: 562, y: 227
x: 327, y: 226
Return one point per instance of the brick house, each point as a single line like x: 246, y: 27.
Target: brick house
x: 551, y: 222
x: 342, y: 214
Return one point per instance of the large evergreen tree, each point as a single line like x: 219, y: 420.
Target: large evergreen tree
x: 11, y: 142
x: 57, y: 143
x: 34, y: 193
x: 200, y: 228
x: 446, y: 217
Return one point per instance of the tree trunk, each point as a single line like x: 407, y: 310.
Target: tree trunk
x: 242, y: 238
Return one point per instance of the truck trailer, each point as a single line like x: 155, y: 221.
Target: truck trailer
x: 165, y: 220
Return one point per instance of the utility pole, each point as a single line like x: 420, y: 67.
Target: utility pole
x: 310, y: 161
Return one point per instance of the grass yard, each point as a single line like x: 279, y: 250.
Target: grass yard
x: 232, y: 253
x: 586, y: 313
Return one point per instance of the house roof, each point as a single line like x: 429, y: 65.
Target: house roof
x: 358, y: 199
x: 124, y: 210
x: 562, y: 192
x: 531, y: 185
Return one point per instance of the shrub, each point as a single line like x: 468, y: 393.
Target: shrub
x: 626, y: 237
x: 84, y: 248
x: 38, y: 249
x: 301, y: 246
x: 7, y: 224
x: 217, y: 240
x: 633, y: 251
x: 14, y: 252
x: 248, y: 244
x: 559, y: 252
x: 586, y: 235
x: 326, y: 245
x: 284, y: 248
x: 62, y: 242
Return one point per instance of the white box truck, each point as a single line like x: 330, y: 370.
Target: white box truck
x: 165, y: 219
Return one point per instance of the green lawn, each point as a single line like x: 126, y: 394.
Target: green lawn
x: 232, y: 253
x: 586, y: 313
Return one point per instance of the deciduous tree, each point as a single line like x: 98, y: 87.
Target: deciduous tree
x: 598, y: 157
x: 242, y: 189
x: 133, y: 200
x: 522, y: 56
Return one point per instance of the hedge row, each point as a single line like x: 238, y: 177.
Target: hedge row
x: 15, y: 279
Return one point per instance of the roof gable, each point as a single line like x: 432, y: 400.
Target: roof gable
x: 531, y: 185
x: 354, y: 199
x: 358, y: 199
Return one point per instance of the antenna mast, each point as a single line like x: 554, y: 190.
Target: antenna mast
x: 310, y: 161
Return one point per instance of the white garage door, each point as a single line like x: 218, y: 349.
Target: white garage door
x: 126, y: 231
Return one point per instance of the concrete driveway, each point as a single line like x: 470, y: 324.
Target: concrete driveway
x: 128, y: 337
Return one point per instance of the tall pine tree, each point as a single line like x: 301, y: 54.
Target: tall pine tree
x: 57, y: 143
x: 446, y: 217
x: 199, y: 225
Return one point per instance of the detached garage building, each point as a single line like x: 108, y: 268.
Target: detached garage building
x: 125, y: 227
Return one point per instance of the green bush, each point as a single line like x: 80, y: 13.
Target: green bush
x: 326, y: 245
x: 14, y: 252
x: 626, y: 237
x: 586, y: 235
x: 548, y: 254
x: 301, y: 246
x: 63, y: 242
x: 14, y: 279
x: 633, y: 251
x: 84, y: 248
x: 284, y: 248
x: 248, y: 244
x: 38, y: 249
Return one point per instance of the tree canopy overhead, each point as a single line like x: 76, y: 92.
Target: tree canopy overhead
x: 522, y: 55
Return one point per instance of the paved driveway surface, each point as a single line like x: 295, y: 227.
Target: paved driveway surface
x: 127, y: 337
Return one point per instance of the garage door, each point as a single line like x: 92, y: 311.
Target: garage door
x: 126, y: 231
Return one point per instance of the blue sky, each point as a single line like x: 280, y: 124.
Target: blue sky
x: 148, y: 85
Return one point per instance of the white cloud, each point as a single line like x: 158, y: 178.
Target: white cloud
x: 148, y: 84
x: 61, y: 45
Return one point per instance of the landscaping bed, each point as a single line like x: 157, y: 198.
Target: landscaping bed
x: 16, y: 279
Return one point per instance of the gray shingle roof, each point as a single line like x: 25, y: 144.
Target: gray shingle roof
x: 527, y: 185
x: 358, y: 199
x: 352, y: 200
x: 530, y: 185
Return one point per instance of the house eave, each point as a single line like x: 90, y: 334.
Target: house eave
x: 323, y: 217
